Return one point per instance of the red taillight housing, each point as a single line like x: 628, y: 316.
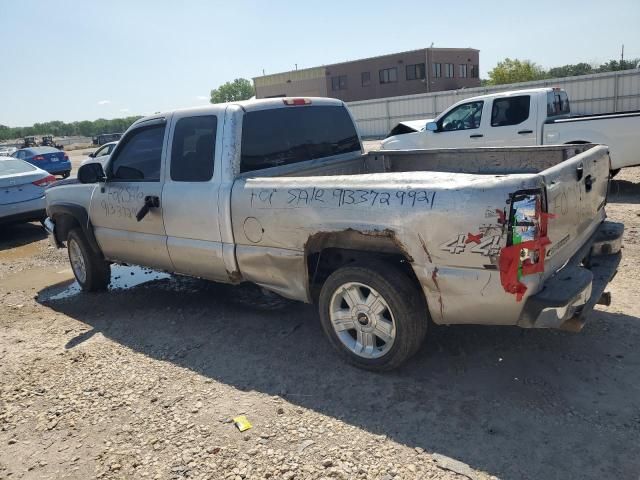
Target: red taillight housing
x: 527, y: 241
x: 45, y: 182
x: 38, y: 158
x: 296, y: 101
x: 66, y: 157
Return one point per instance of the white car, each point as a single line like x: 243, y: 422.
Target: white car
x: 22, y: 191
x: 101, y: 155
x: 6, y: 150
x: 539, y: 116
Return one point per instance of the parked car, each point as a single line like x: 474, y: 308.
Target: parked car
x: 539, y: 116
x: 7, y: 150
x: 278, y: 192
x: 101, y: 155
x: 22, y: 191
x: 48, y: 158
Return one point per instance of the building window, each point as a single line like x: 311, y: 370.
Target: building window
x: 474, y: 71
x: 415, y: 72
x: 339, y: 82
x: 437, y: 70
x: 389, y: 75
x: 463, y: 71
x: 366, y: 78
x: 448, y: 70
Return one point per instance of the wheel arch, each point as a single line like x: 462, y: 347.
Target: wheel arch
x: 328, y: 251
x: 67, y: 216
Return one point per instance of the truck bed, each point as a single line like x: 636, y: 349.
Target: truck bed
x: 446, y: 210
x: 476, y: 161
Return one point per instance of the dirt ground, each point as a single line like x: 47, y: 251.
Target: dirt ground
x: 143, y: 381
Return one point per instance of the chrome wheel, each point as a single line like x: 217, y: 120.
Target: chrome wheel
x: 362, y: 320
x: 77, y: 261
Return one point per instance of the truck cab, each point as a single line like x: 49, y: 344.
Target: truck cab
x: 512, y: 118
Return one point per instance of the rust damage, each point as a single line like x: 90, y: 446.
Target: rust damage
x: 235, y: 276
x: 434, y: 277
x: 424, y: 247
x: 385, y: 241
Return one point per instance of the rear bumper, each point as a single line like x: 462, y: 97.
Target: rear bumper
x: 23, y: 211
x: 569, y: 296
x: 58, y: 167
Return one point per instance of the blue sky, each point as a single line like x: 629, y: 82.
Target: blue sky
x: 86, y: 59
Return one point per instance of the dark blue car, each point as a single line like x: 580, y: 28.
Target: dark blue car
x: 50, y: 159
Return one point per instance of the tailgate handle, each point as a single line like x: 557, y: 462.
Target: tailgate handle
x: 588, y: 182
x: 524, y: 132
x: 579, y: 172
x: 477, y: 135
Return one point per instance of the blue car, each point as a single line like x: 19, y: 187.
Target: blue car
x: 49, y: 159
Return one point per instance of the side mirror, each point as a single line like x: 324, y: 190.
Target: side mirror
x: 432, y: 126
x: 91, y: 173
x: 92, y: 155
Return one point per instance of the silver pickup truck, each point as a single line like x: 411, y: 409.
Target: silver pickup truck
x: 278, y: 192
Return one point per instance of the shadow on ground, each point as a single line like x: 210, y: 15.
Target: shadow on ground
x: 624, y: 191
x: 19, y: 234
x: 515, y: 403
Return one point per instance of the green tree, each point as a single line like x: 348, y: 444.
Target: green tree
x: 514, y: 71
x: 570, y: 70
x: 239, y: 89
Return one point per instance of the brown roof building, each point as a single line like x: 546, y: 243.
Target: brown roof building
x: 405, y: 73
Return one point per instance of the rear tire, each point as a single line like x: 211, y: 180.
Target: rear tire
x: 66, y: 174
x: 374, y: 315
x: 92, y: 272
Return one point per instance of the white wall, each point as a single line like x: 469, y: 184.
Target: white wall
x: 596, y: 93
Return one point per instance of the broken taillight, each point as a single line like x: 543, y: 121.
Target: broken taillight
x: 526, y: 242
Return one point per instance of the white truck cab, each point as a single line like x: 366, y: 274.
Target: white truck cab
x: 539, y: 116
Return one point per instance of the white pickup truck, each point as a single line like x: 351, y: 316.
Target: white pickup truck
x: 539, y: 116
x: 278, y: 192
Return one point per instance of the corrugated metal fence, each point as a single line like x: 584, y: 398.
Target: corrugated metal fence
x: 596, y: 93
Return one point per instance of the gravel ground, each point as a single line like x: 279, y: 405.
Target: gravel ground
x: 144, y: 381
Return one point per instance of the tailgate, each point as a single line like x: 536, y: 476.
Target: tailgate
x: 576, y: 191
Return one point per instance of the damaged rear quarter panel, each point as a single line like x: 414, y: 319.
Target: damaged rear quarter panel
x: 420, y: 212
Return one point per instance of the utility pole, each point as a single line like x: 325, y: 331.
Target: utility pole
x: 622, y: 58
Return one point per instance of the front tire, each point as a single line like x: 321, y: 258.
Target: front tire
x: 374, y: 315
x: 92, y: 272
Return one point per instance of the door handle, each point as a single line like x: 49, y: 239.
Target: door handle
x: 477, y: 135
x: 524, y: 132
x: 150, y: 202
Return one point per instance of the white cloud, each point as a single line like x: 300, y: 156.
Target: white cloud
x: 202, y: 97
x: 124, y: 109
x: 104, y: 102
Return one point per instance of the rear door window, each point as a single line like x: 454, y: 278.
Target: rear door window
x: 510, y: 110
x: 286, y: 135
x: 557, y: 103
x: 193, y: 149
x: 140, y: 156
